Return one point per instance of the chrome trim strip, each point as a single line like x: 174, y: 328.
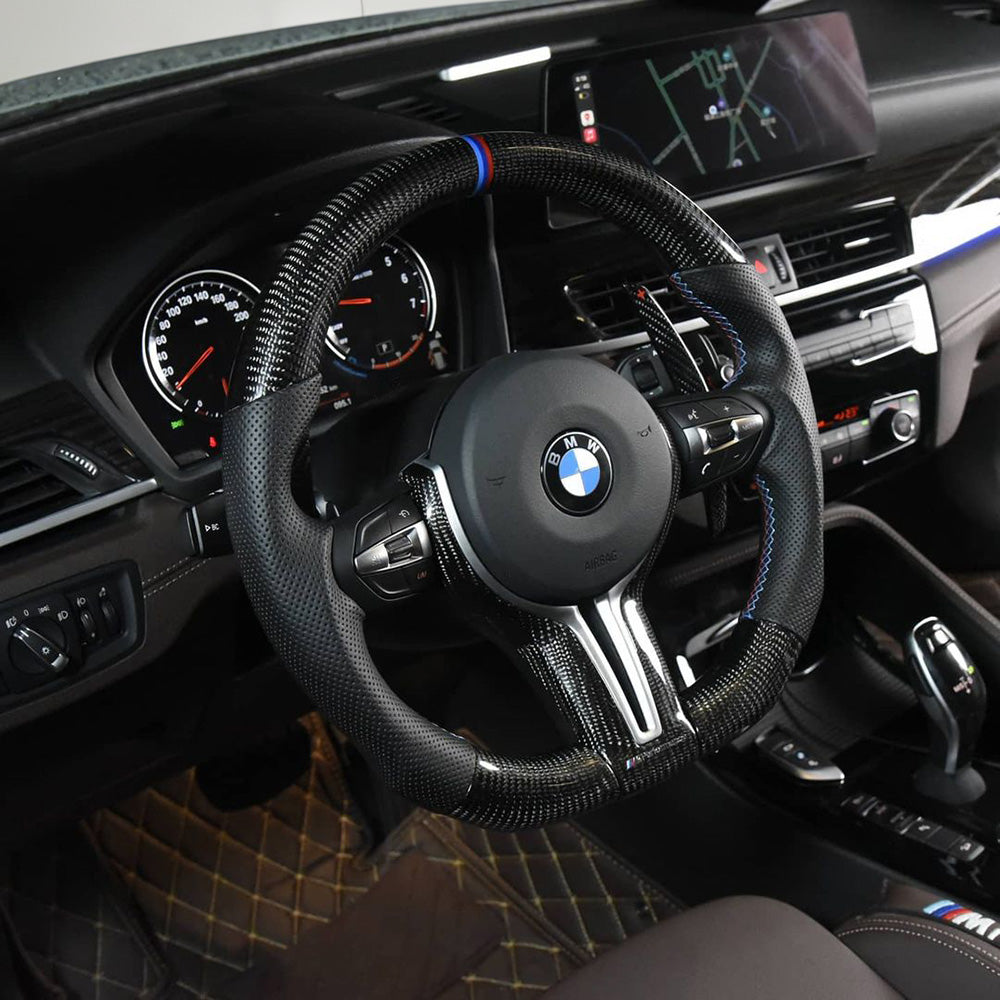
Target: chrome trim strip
x: 78, y: 511
x: 870, y: 359
x: 925, y: 342
x: 609, y: 607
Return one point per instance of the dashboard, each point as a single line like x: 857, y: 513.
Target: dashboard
x: 141, y: 233
x: 173, y: 359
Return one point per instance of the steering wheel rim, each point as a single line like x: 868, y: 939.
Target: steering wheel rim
x: 286, y: 556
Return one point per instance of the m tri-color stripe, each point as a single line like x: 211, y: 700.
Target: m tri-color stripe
x: 484, y: 162
x: 950, y: 912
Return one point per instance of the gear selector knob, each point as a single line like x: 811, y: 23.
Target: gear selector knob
x: 953, y: 694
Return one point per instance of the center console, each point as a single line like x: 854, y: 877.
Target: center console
x: 885, y: 740
x: 870, y: 356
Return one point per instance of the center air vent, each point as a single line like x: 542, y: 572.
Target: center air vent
x: 604, y: 301
x: 853, y: 242
x: 28, y: 492
x: 422, y: 109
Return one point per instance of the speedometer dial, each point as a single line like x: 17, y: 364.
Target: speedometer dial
x: 386, y: 316
x: 191, y: 337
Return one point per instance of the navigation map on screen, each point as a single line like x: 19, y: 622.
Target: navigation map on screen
x: 723, y: 110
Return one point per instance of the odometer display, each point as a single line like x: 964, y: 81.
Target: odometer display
x: 385, y: 317
x: 191, y: 337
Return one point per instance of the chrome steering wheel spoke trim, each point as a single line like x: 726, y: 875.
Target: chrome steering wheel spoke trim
x: 611, y: 632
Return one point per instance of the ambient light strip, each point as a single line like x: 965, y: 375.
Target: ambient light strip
x: 482, y: 67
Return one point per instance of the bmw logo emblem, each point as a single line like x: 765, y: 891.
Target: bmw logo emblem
x: 576, y: 472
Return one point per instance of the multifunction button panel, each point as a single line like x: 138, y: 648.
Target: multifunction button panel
x: 70, y: 628
x: 392, y: 550
x: 717, y: 437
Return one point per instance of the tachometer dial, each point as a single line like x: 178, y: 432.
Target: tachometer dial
x: 386, y: 315
x: 191, y: 336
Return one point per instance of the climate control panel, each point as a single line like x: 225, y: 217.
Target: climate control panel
x: 866, y: 434
x: 69, y: 628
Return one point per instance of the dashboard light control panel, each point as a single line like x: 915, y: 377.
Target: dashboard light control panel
x: 71, y: 628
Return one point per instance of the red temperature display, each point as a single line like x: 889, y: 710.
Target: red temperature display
x: 844, y: 416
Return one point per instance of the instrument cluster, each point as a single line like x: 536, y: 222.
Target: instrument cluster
x: 175, y: 362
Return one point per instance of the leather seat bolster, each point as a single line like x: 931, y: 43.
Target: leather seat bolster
x: 924, y: 956
x: 744, y: 947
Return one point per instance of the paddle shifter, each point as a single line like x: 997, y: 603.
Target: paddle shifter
x: 953, y: 694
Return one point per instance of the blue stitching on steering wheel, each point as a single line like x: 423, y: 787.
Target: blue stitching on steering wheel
x: 727, y: 328
x: 764, y: 566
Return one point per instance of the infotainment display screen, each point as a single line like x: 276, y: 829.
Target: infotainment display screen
x: 719, y: 111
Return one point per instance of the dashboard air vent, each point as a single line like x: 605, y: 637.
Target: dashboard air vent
x: 28, y: 492
x: 422, y: 109
x: 604, y: 301
x: 853, y: 242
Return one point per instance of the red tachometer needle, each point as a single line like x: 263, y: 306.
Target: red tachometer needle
x: 354, y: 302
x: 209, y: 351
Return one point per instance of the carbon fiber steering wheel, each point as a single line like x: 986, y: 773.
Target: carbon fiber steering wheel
x: 542, y: 501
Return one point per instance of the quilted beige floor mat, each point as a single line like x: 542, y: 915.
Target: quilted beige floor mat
x: 219, y: 888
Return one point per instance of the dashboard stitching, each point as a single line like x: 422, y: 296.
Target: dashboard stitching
x: 180, y: 576
x: 156, y: 577
x: 727, y: 327
x: 764, y: 566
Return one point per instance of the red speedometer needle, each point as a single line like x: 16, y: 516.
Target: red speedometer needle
x: 209, y: 351
x: 354, y: 302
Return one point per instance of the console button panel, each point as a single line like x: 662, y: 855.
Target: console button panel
x: 903, y: 823
x: 73, y: 627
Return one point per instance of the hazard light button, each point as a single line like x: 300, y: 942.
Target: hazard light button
x: 768, y: 257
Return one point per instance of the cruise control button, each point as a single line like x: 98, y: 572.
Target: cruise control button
x: 372, y: 560
x: 372, y: 530
x: 403, y: 512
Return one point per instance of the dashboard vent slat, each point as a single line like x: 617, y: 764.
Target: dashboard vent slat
x: 604, y: 301
x: 422, y: 109
x: 860, y: 240
x: 832, y: 248
x: 28, y: 492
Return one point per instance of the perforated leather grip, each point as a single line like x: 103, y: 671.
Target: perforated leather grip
x: 285, y: 555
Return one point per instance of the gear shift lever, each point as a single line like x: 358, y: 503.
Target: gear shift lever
x: 953, y: 694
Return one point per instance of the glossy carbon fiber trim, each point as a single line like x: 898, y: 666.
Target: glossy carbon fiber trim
x: 607, y: 761
x: 316, y: 628
x: 677, y: 359
x: 284, y: 338
x: 644, y: 726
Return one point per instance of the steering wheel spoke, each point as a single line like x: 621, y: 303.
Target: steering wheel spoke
x: 597, y: 662
x: 717, y: 435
